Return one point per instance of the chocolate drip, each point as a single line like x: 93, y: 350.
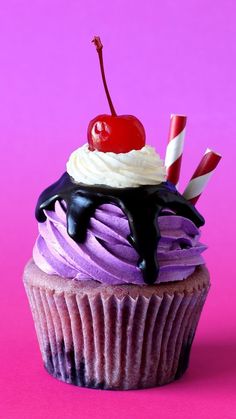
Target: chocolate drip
x: 141, y: 205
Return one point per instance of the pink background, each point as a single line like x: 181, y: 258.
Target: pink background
x: 161, y: 57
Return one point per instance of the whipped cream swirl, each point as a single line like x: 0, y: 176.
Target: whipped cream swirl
x: 132, y: 169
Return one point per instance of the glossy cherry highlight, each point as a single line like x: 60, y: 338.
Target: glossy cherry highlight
x: 115, y: 133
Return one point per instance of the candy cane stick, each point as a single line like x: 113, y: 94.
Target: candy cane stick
x: 175, y: 146
x: 201, y: 176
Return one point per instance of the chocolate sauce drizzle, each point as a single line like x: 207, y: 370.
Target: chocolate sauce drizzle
x: 141, y: 205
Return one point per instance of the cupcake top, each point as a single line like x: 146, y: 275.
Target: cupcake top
x: 116, y: 215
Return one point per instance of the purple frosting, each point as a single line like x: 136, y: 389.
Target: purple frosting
x: 106, y: 254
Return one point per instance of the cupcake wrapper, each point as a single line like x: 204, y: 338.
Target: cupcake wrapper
x: 112, y: 342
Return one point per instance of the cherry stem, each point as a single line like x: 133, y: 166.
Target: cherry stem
x: 98, y: 44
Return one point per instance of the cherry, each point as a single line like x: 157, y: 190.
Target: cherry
x: 118, y: 134
x: 115, y: 133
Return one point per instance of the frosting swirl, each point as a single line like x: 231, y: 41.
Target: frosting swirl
x: 132, y: 169
x: 107, y: 256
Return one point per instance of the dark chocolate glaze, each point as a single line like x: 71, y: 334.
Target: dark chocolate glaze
x: 141, y: 205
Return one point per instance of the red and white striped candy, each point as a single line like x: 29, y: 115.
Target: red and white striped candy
x: 174, y: 148
x: 201, y: 176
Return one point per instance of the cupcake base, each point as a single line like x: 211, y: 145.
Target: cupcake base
x: 117, y: 337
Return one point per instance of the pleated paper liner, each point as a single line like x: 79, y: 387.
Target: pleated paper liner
x: 115, y: 337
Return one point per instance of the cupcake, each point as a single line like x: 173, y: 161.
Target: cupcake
x: 117, y: 281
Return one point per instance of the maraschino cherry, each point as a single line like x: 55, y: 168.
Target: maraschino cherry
x: 115, y: 133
